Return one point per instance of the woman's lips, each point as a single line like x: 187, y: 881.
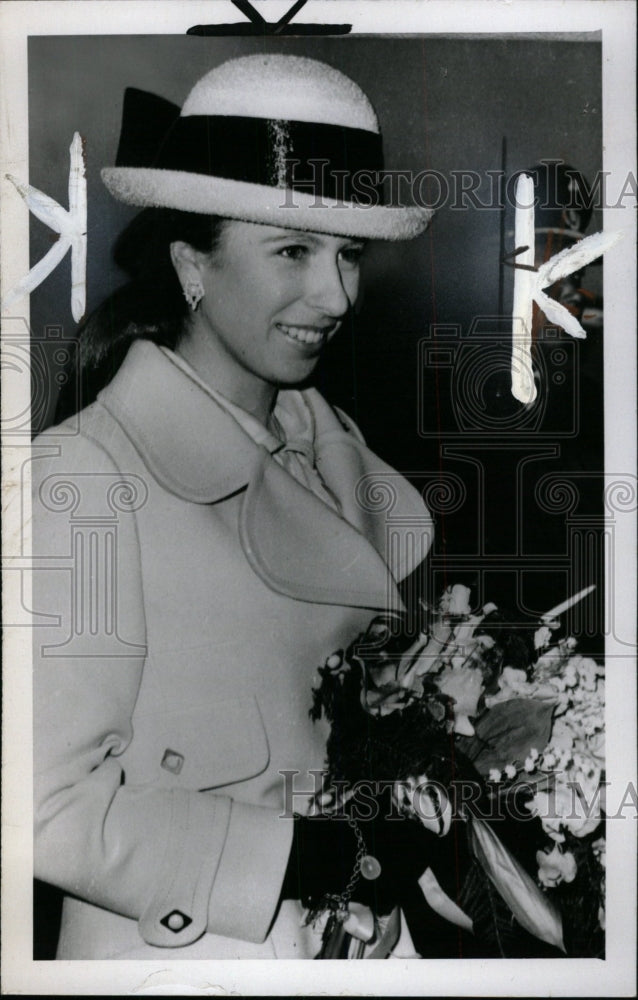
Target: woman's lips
x: 311, y: 335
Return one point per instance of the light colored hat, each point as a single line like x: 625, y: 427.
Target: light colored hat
x: 281, y: 140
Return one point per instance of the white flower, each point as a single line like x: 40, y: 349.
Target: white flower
x: 510, y: 771
x: 542, y: 637
x: 549, y: 661
x: 486, y: 641
x: 456, y: 600
x: 543, y: 807
x: 599, y: 847
x: 587, y: 671
x: 572, y: 808
x: 562, y: 734
x: 596, y: 747
x: 530, y: 764
x: 555, y: 866
x: 464, y: 633
x: 514, y: 677
x: 494, y: 775
x: 465, y: 686
x: 564, y: 760
x: 512, y: 684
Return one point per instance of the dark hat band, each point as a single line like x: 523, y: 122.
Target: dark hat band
x: 330, y: 161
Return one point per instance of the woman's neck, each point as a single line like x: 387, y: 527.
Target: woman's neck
x: 239, y: 386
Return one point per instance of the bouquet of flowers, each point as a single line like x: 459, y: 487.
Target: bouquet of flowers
x: 471, y: 700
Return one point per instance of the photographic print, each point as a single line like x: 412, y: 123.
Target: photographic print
x: 318, y: 333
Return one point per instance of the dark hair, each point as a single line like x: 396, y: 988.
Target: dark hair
x: 150, y: 305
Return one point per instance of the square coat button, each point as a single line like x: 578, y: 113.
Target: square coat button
x: 172, y: 761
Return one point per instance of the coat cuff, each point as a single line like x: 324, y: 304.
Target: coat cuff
x: 248, y: 883
x: 226, y: 876
x: 177, y: 914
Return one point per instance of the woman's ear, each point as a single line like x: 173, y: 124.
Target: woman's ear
x: 186, y: 261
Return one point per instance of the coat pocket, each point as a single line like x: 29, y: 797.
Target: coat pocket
x: 198, y: 748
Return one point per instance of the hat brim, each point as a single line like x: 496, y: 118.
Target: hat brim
x: 288, y: 209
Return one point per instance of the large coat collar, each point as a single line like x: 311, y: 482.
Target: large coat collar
x: 300, y: 547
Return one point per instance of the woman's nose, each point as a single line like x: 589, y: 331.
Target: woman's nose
x: 331, y: 289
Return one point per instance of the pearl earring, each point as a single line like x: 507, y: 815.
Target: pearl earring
x: 193, y: 293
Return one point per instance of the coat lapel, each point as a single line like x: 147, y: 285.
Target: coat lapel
x: 302, y: 549
x: 294, y: 542
x: 375, y: 498
x: 190, y: 444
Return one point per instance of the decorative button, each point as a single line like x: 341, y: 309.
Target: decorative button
x: 176, y: 921
x: 172, y: 761
x: 370, y: 867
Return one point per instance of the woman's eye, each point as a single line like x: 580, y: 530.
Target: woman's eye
x: 296, y: 251
x: 351, y: 255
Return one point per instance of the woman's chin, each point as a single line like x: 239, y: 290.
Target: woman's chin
x: 292, y: 376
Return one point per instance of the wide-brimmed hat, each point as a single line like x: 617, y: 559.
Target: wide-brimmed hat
x: 282, y: 140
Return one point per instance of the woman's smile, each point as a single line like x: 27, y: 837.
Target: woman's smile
x: 273, y: 298
x: 309, y: 336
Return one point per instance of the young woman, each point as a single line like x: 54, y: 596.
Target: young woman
x: 211, y: 533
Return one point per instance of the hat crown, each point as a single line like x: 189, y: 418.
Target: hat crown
x: 292, y: 88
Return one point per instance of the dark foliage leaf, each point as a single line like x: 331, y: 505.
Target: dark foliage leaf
x: 497, y: 934
x: 507, y: 732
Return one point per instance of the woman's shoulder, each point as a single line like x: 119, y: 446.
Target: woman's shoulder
x: 82, y: 472
x: 85, y: 443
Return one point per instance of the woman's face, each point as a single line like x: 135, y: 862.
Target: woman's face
x: 273, y: 299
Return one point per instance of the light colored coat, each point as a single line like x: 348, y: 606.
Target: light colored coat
x: 193, y: 587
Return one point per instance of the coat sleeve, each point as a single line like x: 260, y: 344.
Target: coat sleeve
x: 179, y: 861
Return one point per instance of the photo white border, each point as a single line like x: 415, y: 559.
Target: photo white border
x: 577, y: 977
